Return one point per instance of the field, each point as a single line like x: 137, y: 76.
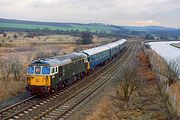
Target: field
x: 80, y: 27
x: 27, y: 49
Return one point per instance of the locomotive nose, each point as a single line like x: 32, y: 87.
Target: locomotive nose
x: 39, y: 80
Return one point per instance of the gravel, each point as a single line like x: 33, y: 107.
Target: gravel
x: 13, y: 100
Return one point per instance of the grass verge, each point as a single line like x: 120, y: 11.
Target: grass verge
x: 11, y: 88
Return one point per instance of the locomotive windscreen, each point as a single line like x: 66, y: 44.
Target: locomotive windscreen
x: 30, y: 70
x: 45, y: 70
x: 38, y: 70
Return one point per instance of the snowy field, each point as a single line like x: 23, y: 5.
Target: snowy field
x: 165, y: 50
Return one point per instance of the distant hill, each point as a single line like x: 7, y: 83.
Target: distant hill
x: 32, y: 22
x: 95, y: 27
x: 149, y: 28
x: 92, y: 27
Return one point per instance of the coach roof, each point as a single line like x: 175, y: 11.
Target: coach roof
x: 121, y: 41
x: 96, y: 50
x: 112, y: 45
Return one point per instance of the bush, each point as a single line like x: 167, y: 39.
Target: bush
x: 86, y: 38
x: 129, y: 82
x: 11, y: 68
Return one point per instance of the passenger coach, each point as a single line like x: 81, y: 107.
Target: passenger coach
x: 97, y: 55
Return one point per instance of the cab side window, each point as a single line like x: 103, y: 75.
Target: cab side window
x: 56, y: 69
x: 53, y: 70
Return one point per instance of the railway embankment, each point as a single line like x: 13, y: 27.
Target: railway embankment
x: 169, y: 90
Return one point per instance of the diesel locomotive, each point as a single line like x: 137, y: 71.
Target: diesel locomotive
x: 48, y: 75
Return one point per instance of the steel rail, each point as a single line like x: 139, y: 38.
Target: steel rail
x: 51, y: 109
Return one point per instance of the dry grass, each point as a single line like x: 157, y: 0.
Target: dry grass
x: 11, y: 88
x: 104, y: 111
x: 146, y: 104
x: 145, y: 68
x: 175, y: 91
x: 45, y: 44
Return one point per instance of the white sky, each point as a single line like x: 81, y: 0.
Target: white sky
x: 119, y: 12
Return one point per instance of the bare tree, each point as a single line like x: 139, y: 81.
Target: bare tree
x: 17, y: 69
x: 15, y: 36
x: 56, y: 51
x: 172, y: 70
x: 4, y: 36
x: 129, y: 82
x: 86, y: 38
x: 11, y: 67
x: 5, y: 68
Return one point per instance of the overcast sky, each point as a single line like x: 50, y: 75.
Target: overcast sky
x: 118, y: 12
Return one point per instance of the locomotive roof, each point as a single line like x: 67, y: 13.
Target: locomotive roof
x: 59, y: 60
x: 96, y: 50
x: 73, y: 56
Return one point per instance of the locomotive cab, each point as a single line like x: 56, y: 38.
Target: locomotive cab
x: 39, y: 78
x: 38, y: 75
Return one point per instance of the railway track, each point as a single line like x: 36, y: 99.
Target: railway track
x: 66, y: 107
x: 16, y: 107
x: 31, y: 104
